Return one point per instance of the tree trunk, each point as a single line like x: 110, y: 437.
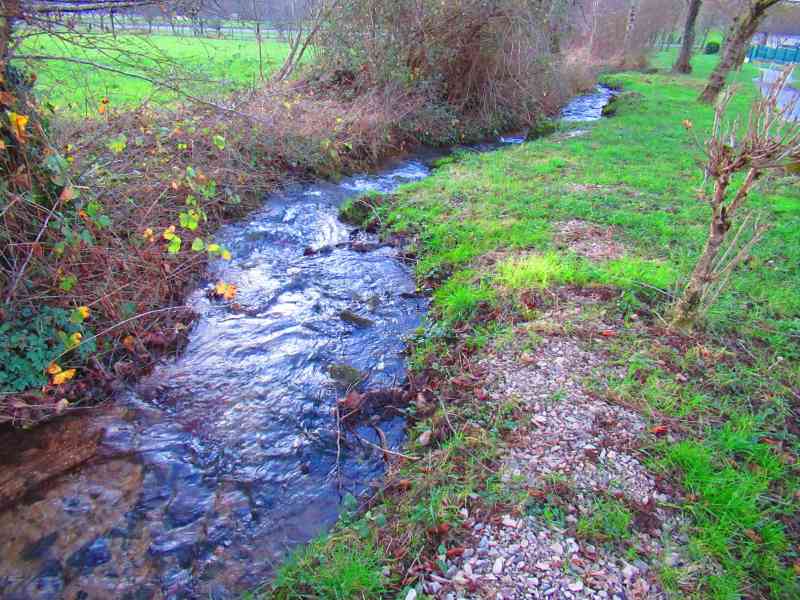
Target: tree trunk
x: 704, y: 41
x: 10, y: 10
x: 686, y: 309
x: 743, y: 29
x: 593, y: 36
x: 684, y: 65
x: 629, y: 27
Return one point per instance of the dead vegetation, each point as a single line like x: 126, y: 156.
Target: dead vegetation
x: 128, y: 202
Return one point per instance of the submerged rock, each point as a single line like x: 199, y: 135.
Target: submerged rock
x: 348, y: 316
x: 345, y: 375
x: 92, y: 555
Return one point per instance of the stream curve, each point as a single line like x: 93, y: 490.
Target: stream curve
x: 215, y: 466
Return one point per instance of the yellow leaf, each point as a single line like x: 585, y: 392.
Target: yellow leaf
x: 2, y: 145
x: 225, y: 290
x: 129, y: 342
x: 85, y: 312
x: 18, y: 123
x: 62, y: 405
x: 74, y: 340
x: 54, y: 369
x: 148, y: 234
x: 688, y: 124
x: 64, y: 376
x: 226, y: 255
x: 169, y: 232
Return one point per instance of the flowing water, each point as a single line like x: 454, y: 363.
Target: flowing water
x: 226, y: 457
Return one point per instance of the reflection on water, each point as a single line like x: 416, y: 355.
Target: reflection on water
x: 211, y: 469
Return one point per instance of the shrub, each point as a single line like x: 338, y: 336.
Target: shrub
x: 493, y: 62
x: 30, y: 343
x: 712, y: 48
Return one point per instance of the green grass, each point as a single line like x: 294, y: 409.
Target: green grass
x: 201, y: 66
x: 638, y: 172
x: 484, y: 235
x: 608, y: 520
x: 333, y: 569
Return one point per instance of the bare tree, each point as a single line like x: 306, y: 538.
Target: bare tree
x: 771, y: 141
x: 683, y: 64
x: 303, y: 31
x: 630, y: 25
x: 742, y: 30
x: 593, y: 34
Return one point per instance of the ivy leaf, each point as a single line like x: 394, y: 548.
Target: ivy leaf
x: 79, y: 315
x: 174, y: 245
x: 189, y: 220
x: 68, y: 282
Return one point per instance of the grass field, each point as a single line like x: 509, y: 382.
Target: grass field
x: 484, y: 231
x: 200, y: 66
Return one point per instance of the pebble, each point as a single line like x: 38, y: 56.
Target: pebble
x: 629, y: 572
x: 497, y: 568
x: 509, y: 522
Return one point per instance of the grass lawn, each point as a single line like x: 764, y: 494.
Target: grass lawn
x: 484, y: 231
x: 202, y: 66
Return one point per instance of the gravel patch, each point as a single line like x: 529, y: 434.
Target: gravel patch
x: 589, y: 240
x: 573, y: 434
x: 590, y: 446
x: 520, y: 559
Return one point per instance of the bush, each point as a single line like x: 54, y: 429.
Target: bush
x: 497, y: 63
x: 712, y: 48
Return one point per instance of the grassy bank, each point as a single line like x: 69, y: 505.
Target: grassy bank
x: 200, y: 66
x: 721, y: 405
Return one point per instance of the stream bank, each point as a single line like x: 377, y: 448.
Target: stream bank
x: 200, y: 478
x: 565, y: 443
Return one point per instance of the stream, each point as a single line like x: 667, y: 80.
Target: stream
x: 209, y: 471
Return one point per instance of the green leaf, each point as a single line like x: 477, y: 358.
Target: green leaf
x: 93, y: 208
x: 118, y: 144
x: 190, y: 219
x: 219, y: 142
x: 174, y: 245
x: 198, y: 245
x: 68, y: 282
